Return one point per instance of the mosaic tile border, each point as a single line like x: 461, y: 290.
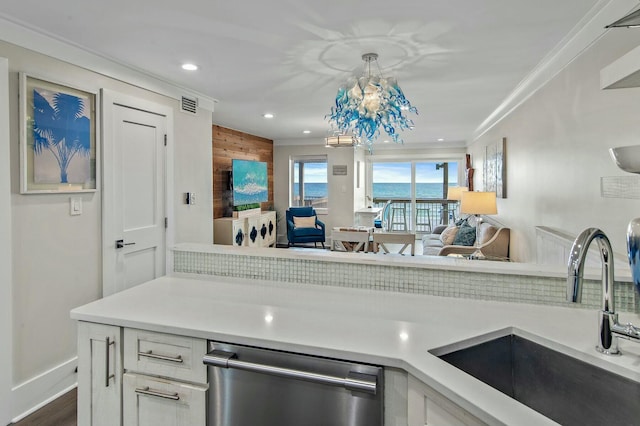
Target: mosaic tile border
x: 423, y: 280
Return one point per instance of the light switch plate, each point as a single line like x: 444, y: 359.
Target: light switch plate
x: 75, y: 206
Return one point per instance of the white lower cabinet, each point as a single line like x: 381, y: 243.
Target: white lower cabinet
x: 136, y: 377
x: 155, y: 401
x: 428, y: 407
x: 99, y: 375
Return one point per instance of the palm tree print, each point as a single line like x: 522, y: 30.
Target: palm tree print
x: 61, y: 127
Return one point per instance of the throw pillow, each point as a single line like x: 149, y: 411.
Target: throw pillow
x: 466, y: 236
x: 461, y: 222
x: 448, y: 235
x: 304, y: 222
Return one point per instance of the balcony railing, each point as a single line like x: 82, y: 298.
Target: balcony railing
x: 315, y: 202
x: 429, y: 212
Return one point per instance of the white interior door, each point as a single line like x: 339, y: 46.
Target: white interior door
x: 134, y: 239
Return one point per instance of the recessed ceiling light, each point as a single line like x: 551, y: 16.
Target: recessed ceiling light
x: 440, y: 140
x: 189, y: 67
x: 306, y: 132
x: 385, y: 141
x: 268, y: 115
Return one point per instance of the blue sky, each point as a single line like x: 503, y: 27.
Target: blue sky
x: 401, y: 172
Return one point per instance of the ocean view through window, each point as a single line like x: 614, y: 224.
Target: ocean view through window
x: 417, y: 190
x: 309, y: 182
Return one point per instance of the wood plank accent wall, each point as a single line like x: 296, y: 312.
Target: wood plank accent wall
x: 231, y: 144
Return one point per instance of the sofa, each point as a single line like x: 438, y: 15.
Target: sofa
x: 494, y: 241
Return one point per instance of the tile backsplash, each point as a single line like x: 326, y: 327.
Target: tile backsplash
x: 421, y: 280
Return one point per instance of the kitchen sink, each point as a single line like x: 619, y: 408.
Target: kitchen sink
x: 562, y: 388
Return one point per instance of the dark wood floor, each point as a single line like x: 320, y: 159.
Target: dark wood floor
x: 61, y: 412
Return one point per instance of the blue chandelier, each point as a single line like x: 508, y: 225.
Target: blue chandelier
x: 365, y: 105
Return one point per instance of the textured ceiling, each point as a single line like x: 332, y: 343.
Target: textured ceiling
x: 456, y: 60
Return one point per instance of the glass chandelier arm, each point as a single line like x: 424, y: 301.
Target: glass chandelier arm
x: 366, y: 104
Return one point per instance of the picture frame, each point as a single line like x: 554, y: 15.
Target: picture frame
x: 58, y: 137
x: 495, y: 168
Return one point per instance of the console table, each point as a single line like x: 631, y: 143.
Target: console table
x: 405, y: 238
x: 351, y: 239
x: 256, y: 230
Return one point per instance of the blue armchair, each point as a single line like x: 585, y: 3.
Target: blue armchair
x: 315, y: 234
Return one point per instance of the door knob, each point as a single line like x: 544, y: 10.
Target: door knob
x: 121, y: 244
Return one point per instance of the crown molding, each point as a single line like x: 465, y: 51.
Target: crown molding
x: 590, y: 28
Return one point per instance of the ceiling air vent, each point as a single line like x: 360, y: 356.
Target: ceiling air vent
x: 188, y: 105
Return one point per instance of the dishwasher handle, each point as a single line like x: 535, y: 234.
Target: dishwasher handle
x: 354, y: 381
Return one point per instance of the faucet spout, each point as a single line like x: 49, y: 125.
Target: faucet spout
x: 608, y: 319
x: 576, y: 263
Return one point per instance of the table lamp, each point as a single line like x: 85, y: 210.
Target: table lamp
x: 455, y: 193
x: 477, y: 203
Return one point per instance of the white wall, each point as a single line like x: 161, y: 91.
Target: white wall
x: 5, y: 248
x: 57, y: 257
x: 192, y: 173
x: 557, y: 151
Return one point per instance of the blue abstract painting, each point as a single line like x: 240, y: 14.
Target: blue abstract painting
x: 250, y: 182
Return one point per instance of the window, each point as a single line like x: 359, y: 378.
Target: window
x: 416, y: 190
x: 309, y: 182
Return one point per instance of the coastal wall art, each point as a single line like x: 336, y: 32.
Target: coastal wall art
x: 58, y: 145
x: 495, y: 168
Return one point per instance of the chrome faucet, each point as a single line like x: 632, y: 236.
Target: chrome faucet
x: 608, y: 327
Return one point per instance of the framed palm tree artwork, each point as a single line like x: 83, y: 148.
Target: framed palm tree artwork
x: 58, y: 145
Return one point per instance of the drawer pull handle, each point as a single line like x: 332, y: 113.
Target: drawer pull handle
x: 150, y: 354
x: 107, y: 376
x: 150, y: 392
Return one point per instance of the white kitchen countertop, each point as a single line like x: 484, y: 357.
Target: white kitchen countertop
x: 360, y: 325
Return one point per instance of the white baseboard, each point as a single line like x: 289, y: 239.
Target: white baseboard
x: 37, y: 392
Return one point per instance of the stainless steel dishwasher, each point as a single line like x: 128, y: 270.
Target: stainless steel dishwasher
x: 258, y: 387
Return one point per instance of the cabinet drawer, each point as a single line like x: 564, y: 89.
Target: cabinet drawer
x: 165, y: 355
x: 155, y: 401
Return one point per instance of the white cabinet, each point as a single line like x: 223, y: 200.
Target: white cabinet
x: 257, y: 230
x: 166, y: 355
x: 136, y: 377
x: 253, y: 231
x: 99, y: 375
x: 165, y: 380
x: 155, y: 401
x: 410, y: 402
x: 268, y: 229
x: 426, y: 407
x: 230, y: 231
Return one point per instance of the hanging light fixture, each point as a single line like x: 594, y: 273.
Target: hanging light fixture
x: 337, y: 140
x: 366, y: 104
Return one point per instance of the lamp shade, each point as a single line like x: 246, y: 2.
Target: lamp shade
x: 455, y: 192
x: 478, y: 203
x: 341, y: 140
